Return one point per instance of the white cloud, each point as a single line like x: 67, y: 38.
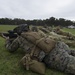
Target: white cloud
x: 37, y: 9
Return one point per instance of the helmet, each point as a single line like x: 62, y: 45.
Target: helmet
x: 21, y: 28
x: 10, y: 32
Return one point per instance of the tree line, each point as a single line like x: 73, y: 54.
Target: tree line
x: 52, y: 21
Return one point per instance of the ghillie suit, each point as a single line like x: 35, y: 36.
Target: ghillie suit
x: 34, y: 28
x: 47, y: 28
x: 69, y: 35
x: 70, y: 43
x: 66, y: 37
x: 44, y: 30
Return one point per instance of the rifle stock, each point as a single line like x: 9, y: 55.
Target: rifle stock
x: 5, y: 35
x: 2, y: 35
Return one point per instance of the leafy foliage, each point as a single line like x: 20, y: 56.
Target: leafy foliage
x: 51, y: 21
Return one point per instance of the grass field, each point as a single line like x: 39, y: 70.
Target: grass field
x: 69, y: 30
x: 9, y: 62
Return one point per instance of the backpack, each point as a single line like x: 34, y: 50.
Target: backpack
x: 33, y: 65
x: 44, y: 43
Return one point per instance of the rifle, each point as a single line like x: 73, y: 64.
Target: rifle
x: 9, y: 34
x: 15, y: 32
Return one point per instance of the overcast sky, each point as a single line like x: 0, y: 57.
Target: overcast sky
x: 37, y: 9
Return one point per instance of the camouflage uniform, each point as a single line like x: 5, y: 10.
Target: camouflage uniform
x: 26, y: 46
x: 60, y: 57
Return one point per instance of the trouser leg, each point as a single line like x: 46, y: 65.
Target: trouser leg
x: 71, y: 65
x: 67, y: 49
x: 59, y: 59
x: 72, y: 52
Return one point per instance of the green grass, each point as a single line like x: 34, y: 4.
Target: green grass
x: 9, y: 62
x: 69, y: 30
x: 6, y: 27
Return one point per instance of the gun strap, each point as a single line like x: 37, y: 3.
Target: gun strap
x: 28, y: 61
x: 34, y: 48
